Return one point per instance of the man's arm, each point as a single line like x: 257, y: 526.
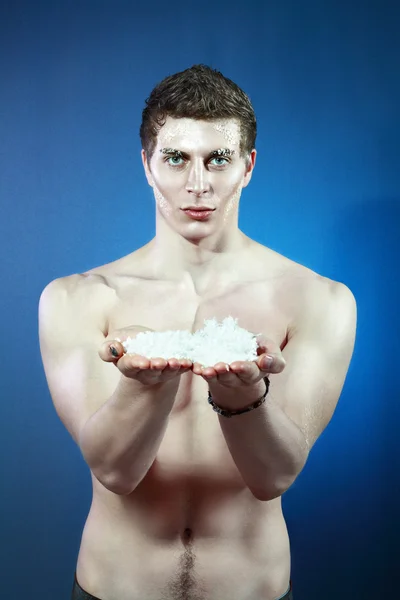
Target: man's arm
x: 271, y: 444
x: 117, y: 422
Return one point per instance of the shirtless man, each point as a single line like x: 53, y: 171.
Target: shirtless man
x: 187, y: 502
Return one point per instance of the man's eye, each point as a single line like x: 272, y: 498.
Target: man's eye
x: 173, y: 158
x: 175, y: 164
x: 221, y: 158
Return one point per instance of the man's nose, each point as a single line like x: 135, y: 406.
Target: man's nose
x: 198, y: 178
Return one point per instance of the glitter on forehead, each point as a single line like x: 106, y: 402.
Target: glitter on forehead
x: 228, y: 128
x: 169, y: 133
x: 225, y: 127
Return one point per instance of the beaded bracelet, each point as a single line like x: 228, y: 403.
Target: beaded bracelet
x: 231, y: 413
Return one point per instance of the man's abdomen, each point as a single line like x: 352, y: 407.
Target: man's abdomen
x: 240, y: 552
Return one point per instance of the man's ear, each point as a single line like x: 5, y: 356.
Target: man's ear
x: 249, y: 168
x: 147, y: 169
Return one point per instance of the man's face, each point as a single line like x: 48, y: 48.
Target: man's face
x: 198, y: 164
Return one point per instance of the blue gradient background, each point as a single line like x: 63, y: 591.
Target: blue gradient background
x: 324, y: 81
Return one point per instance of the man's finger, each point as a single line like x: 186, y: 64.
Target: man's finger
x: 271, y: 363
x: 111, y: 351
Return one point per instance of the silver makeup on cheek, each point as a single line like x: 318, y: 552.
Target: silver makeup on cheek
x: 232, y: 204
x: 162, y: 204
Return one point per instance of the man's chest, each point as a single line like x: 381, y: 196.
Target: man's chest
x: 193, y: 441
x: 259, y: 307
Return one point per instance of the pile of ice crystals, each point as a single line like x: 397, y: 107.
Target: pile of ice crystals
x: 215, y: 342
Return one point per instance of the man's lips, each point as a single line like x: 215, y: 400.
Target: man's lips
x: 199, y: 215
x: 198, y: 208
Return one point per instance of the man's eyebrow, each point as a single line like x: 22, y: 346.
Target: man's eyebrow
x: 212, y: 154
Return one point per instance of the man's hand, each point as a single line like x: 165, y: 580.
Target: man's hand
x: 241, y: 374
x: 134, y: 366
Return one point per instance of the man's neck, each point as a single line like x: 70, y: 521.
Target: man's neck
x: 196, y: 264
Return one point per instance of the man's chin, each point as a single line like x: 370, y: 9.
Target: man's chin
x: 193, y: 236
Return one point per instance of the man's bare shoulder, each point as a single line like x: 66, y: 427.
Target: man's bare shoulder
x: 289, y: 268
x: 81, y: 283
x: 130, y: 265
x: 305, y: 290
x: 84, y: 291
x: 311, y: 287
x: 313, y: 293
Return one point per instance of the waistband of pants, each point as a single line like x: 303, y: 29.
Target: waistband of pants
x: 79, y: 593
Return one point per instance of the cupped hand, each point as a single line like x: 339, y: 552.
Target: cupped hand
x: 245, y: 373
x: 147, y: 371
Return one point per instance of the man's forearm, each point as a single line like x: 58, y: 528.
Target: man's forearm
x: 120, y: 441
x: 267, y: 446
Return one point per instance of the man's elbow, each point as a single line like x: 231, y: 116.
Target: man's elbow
x: 275, y: 490
x: 267, y: 495
x: 115, y: 485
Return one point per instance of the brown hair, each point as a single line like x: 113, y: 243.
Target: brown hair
x: 198, y: 93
